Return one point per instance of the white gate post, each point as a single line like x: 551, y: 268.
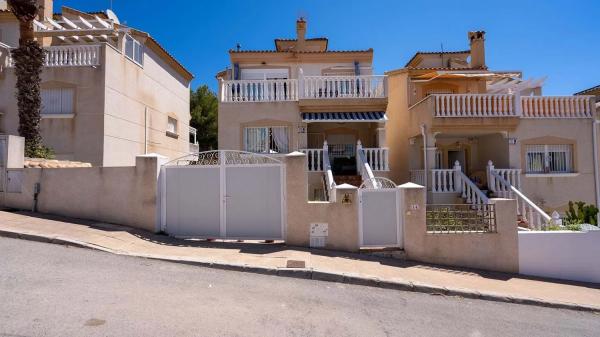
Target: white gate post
x: 222, y: 194
x: 301, y: 93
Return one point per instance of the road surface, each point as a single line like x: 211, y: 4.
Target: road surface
x: 52, y: 290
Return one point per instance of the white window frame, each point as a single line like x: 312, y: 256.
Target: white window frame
x: 136, y: 47
x: 260, y: 139
x: 264, y: 73
x: 172, y: 126
x: 547, y: 162
x: 62, y: 104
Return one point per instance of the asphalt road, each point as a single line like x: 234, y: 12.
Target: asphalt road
x: 51, y: 290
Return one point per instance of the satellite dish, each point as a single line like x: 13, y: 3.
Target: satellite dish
x: 111, y: 15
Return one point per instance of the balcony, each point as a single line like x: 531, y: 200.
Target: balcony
x: 69, y: 56
x: 305, y: 88
x: 481, y: 110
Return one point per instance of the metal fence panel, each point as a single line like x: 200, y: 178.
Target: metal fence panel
x: 463, y: 218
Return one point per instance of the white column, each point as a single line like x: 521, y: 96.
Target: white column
x: 381, y: 142
x: 457, y: 170
x: 518, y: 104
x: 490, y: 177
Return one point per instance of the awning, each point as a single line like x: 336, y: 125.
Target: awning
x: 370, y: 116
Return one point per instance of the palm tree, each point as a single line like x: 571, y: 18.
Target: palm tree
x: 29, y: 60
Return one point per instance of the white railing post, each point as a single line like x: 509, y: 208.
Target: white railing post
x: 517, y: 103
x: 490, y: 177
x: 457, y: 182
x: 358, y: 151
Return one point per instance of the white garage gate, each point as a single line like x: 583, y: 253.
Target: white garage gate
x: 224, y: 194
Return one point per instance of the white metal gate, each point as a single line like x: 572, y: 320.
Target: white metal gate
x: 379, y: 214
x: 224, y: 194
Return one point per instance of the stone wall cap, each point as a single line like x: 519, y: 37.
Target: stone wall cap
x: 410, y: 185
x: 295, y: 154
x: 346, y: 187
x: 152, y: 155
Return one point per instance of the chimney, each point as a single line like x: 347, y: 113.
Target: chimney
x: 477, y: 43
x: 300, y: 33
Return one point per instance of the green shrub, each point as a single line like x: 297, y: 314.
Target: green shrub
x: 40, y: 151
x: 582, y: 214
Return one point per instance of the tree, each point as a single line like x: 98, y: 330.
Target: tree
x: 29, y: 62
x: 204, y: 109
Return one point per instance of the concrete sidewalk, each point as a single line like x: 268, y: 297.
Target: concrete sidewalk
x: 319, y: 264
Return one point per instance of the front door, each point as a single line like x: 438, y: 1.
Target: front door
x: 457, y: 155
x: 342, y: 153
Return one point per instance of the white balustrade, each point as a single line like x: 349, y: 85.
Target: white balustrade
x: 443, y: 181
x: 363, y: 86
x: 455, y: 181
x: 527, y: 211
x: 511, y: 176
x: 474, y: 105
x: 70, y: 56
x: 259, y: 90
x: 557, y: 106
x: 377, y: 158
x: 362, y: 165
x: 314, y: 159
x: 329, y: 181
x: 471, y: 193
x: 503, y: 105
x: 418, y: 177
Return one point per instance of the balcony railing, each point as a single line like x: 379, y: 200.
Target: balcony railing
x: 70, y: 56
x: 506, y: 105
x: 474, y: 105
x: 308, y: 87
x: 259, y: 90
x: 557, y: 106
x: 322, y: 87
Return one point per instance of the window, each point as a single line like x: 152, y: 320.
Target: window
x: 171, y: 126
x: 549, y: 158
x: 264, y: 74
x: 58, y: 101
x: 134, y: 50
x: 266, y: 139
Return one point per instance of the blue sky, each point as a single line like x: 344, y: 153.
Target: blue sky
x: 558, y: 39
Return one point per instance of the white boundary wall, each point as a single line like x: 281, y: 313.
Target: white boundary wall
x: 563, y: 255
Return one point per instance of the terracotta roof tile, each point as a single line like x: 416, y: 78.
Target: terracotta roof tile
x: 311, y: 39
x: 303, y: 52
x: 436, y: 52
x: 445, y: 68
x: 588, y: 90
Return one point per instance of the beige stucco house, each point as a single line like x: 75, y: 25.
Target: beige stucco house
x: 468, y: 132
x: 109, y: 91
x: 302, y: 96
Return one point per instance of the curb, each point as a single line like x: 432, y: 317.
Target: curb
x: 311, y: 274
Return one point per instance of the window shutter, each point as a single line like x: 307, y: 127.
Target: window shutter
x: 66, y: 96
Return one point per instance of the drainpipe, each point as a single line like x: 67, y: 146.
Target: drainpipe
x: 595, y: 146
x: 146, y: 130
x: 423, y: 134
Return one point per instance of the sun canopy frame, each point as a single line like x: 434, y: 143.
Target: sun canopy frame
x: 341, y: 117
